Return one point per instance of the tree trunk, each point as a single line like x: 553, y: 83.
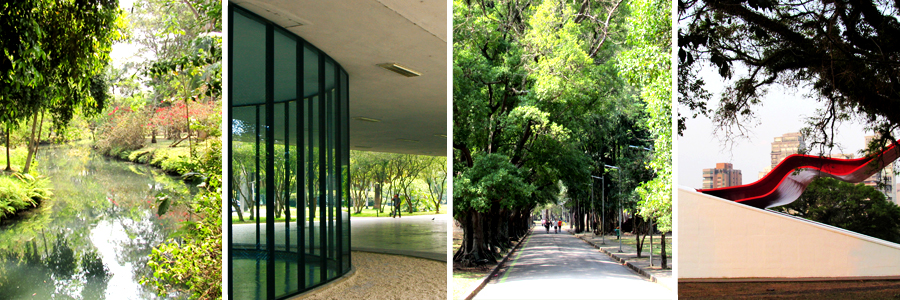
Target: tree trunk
x: 638, y: 234
x: 240, y: 195
x: 187, y: 115
x: 662, y: 251
x: 33, y: 144
x: 153, y: 135
x: 473, y: 250
x: 378, y: 198
x: 8, y: 168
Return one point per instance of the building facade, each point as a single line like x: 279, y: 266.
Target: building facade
x: 785, y: 145
x: 289, y: 162
x: 724, y: 175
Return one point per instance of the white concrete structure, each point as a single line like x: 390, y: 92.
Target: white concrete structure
x: 722, y: 240
x: 359, y: 35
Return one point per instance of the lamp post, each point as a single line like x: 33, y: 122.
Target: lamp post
x: 602, y: 205
x: 620, y: 211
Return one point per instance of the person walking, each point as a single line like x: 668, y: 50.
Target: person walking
x: 558, y: 225
x: 396, y: 201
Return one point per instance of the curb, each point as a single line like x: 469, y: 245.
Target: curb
x: 471, y: 294
x: 620, y: 260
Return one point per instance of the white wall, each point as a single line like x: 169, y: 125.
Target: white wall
x: 719, y: 239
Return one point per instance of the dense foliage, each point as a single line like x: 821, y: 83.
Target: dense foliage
x: 855, y: 207
x: 546, y: 95
x: 846, y: 52
x: 414, y: 177
x: 55, y: 54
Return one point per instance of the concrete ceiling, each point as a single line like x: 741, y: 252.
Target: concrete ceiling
x: 359, y: 35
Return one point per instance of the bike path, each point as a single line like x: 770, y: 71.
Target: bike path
x: 561, y: 266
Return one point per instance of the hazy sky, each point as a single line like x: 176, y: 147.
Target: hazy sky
x: 783, y: 110
x: 123, y: 52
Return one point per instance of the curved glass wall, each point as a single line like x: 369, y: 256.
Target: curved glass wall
x: 289, y: 151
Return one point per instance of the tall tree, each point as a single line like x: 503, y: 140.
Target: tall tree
x: 647, y: 65
x: 527, y: 76
x: 435, y: 176
x: 54, y: 63
x: 847, y: 52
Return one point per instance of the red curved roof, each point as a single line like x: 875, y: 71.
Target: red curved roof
x: 786, y: 182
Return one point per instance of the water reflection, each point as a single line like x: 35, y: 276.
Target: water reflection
x: 96, y: 232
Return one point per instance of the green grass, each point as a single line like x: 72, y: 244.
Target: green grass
x: 161, y: 155
x: 463, y: 281
x: 17, y: 158
x: 366, y: 213
x: 369, y: 212
x: 629, y: 240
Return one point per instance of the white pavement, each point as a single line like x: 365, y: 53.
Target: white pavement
x: 560, y: 266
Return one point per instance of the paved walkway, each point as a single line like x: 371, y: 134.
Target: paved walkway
x: 560, y: 266
x: 629, y: 255
x: 422, y: 236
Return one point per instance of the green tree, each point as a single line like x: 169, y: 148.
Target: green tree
x: 55, y: 52
x: 538, y: 101
x: 854, y: 207
x: 646, y: 65
x: 846, y: 51
x: 435, y: 176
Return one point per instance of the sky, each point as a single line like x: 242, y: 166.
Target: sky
x: 124, y: 52
x: 783, y: 110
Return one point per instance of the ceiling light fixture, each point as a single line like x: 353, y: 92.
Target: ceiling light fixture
x: 400, y: 69
x: 364, y: 119
x: 408, y: 140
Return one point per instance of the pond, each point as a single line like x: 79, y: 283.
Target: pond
x: 93, y: 238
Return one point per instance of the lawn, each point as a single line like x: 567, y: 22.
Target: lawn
x: 372, y: 213
x: 365, y: 213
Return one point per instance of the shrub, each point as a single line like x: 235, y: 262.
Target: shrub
x: 21, y: 191
x: 123, y: 133
x: 195, y: 263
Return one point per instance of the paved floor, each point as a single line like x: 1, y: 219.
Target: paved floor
x: 629, y: 254
x: 418, y: 236
x: 381, y: 276
x: 560, y: 266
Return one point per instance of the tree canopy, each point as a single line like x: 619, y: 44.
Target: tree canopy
x: 545, y: 94
x: 846, y: 52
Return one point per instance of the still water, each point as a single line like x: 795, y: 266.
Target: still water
x: 93, y: 238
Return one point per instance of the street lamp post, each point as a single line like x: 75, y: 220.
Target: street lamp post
x: 620, y: 211
x: 602, y: 205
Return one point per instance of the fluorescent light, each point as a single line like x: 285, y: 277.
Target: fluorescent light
x: 400, y: 69
x: 364, y: 119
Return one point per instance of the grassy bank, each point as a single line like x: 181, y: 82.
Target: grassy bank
x: 18, y: 191
x: 174, y: 160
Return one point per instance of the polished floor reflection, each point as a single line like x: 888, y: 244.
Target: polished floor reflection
x: 419, y: 236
